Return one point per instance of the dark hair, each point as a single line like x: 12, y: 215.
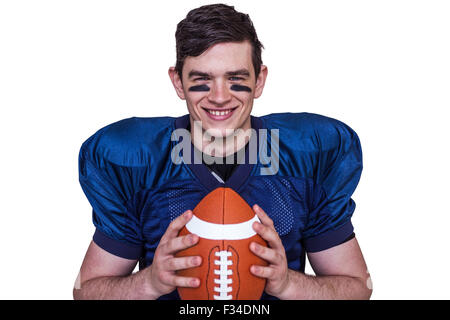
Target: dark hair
x: 211, y: 24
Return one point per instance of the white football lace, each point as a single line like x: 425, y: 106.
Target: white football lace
x: 223, y: 272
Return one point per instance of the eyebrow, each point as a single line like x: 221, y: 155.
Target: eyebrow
x: 240, y: 72
x: 195, y: 73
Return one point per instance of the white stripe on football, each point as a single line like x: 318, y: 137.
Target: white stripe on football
x: 214, y: 231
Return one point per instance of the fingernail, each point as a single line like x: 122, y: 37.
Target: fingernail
x: 195, y: 282
x: 196, y: 261
x: 191, y: 239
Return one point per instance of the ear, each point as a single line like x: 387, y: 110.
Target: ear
x: 260, y: 81
x: 177, y: 83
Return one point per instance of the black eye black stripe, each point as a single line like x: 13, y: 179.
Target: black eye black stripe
x: 202, y: 87
x: 238, y: 87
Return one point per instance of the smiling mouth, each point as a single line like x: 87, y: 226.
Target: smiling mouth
x: 219, y: 112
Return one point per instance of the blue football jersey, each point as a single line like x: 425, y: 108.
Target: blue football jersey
x: 136, y: 190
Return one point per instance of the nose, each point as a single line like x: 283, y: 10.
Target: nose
x: 219, y: 93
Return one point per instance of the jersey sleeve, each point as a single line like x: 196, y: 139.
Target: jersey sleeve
x: 108, y: 187
x: 339, y: 169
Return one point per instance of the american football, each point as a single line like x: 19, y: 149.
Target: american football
x: 223, y: 221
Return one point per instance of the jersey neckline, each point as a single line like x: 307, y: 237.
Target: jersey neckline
x: 204, y: 175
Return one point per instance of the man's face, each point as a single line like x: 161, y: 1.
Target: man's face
x: 219, y: 87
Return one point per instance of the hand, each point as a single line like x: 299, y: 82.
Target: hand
x: 276, y: 272
x: 162, y: 277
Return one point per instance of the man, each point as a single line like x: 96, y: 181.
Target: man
x: 142, y: 197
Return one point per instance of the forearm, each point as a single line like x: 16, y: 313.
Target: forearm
x: 132, y: 287
x: 307, y: 287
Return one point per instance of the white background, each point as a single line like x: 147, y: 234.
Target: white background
x: 67, y: 68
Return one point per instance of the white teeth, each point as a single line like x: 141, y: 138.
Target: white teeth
x: 219, y: 113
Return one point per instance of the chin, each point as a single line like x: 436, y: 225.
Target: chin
x: 219, y: 132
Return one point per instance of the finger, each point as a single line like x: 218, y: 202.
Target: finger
x: 263, y: 272
x: 176, y: 225
x: 262, y: 215
x: 174, y: 264
x: 269, y: 234
x: 267, y: 254
x: 174, y: 245
x: 177, y: 281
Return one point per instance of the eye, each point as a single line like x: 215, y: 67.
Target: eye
x: 236, y: 78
